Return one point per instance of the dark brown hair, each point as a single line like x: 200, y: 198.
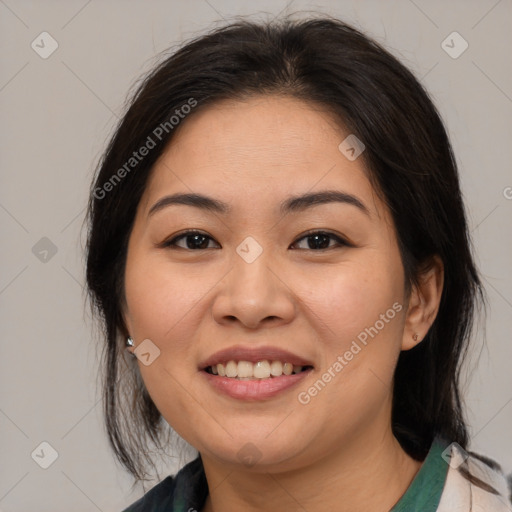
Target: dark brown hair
x: 408, y: 159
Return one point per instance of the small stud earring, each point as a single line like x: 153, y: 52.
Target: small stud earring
x: 415, y: 337
x: 129, y: 344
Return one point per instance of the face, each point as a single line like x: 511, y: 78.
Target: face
x: 320, y: 280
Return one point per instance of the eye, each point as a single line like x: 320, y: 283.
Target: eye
x: 193, y: 240
x: 319, y: 240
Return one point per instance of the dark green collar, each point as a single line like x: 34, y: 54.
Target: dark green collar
x: 424, y: 493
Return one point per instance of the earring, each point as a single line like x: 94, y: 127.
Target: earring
x: 129, y: 344
x: 415, y: 337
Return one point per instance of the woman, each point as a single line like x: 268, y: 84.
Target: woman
x: 278, y: 240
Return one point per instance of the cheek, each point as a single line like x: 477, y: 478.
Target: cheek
x: 364, y: 316
x: 349, y: 300
x: 158, y: 295
x: 165, y: 305
x: 360, y: 310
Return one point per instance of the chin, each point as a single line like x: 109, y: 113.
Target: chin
x: 255, y: 452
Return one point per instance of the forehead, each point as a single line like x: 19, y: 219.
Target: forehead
x: 257, y: 150
x: 262, y: 129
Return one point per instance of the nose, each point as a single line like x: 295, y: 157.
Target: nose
x: 254, y: 294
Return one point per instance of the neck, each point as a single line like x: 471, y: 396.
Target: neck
x: 370, y: 473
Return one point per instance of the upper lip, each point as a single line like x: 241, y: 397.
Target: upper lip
x: 253, y: 355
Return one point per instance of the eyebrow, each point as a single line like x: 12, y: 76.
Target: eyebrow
x: 290, y: 205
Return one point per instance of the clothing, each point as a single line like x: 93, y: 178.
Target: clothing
x: 187, y: 491
x: 439, y: 486
x: 425, y: 490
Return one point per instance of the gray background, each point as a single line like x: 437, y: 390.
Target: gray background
x: 57, y: 114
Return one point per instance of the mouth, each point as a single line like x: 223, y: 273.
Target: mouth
x: 253, y: 374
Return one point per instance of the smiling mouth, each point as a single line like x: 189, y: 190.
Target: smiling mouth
x: 246, y: 370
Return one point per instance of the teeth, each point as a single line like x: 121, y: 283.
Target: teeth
x: 231, y: 369
x: 245, y: 370
x: 276, y: 368
x: 262, y: 370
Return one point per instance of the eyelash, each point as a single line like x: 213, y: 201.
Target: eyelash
x: 342, y: 242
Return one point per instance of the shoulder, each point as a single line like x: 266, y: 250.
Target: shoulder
x: 156, y: 499
x: 475, y: 482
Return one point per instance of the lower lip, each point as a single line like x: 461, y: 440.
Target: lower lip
x: 257, y: 389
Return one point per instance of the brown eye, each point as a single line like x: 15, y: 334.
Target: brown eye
x: 193, y: 240
x: 320, y: 240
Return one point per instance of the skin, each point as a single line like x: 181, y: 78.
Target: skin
x: 337, y: 452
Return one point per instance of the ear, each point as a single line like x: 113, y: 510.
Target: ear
x: 424, y: 303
